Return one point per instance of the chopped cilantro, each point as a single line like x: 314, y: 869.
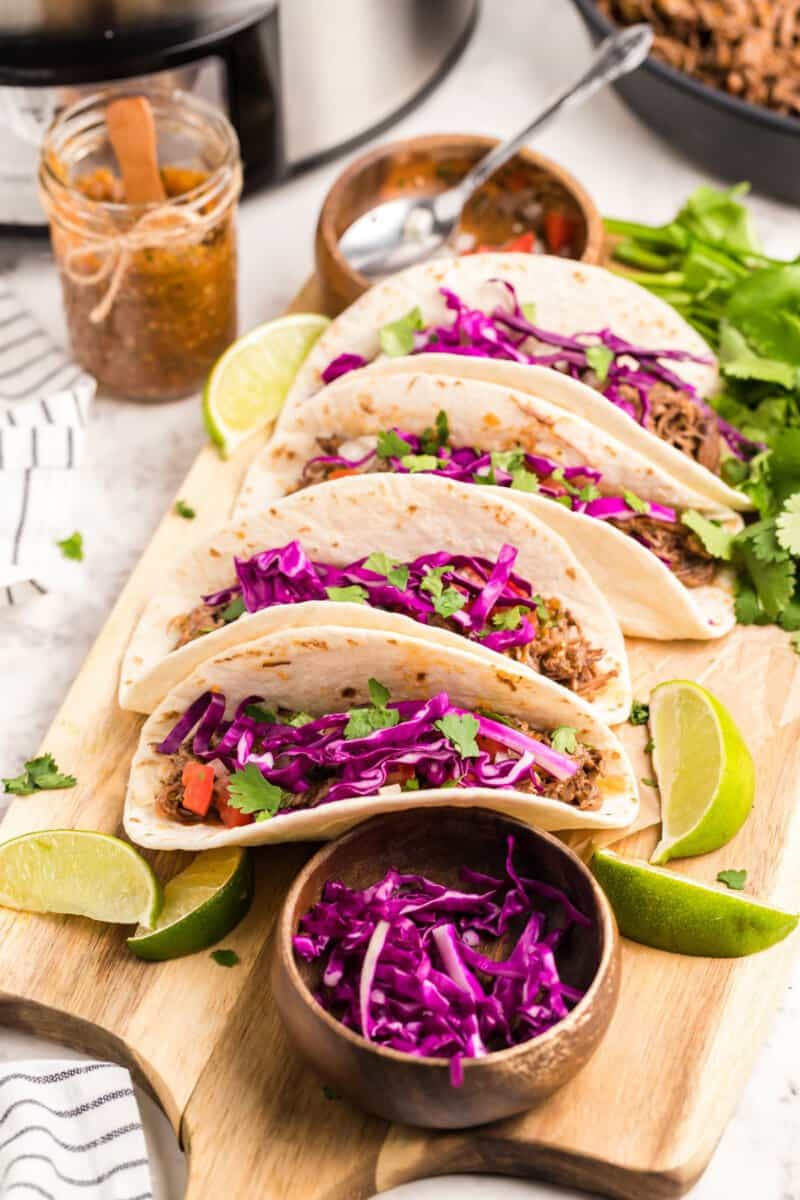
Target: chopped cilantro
x: 250, y: 792
x: 589, y: 492
x: 234, y: 610
x: 733, y: 879
x: 410, y: 785
x: 391, y: 445
x: 460, y: 729
x: 185, y: 510
x: 508, y: 460
x: 635, y: 502
x: 649, y: 746
x: 38, y: 775
x: 299, y: 719
x: 543, y: 614
x: 564, y: 739
x: 794, y: 639
x: 528, y: 310
x: 225, y: 958
x: 381, y: 564
x: 397, y: 338
x: 445, y: 600
x: 523, y: 480
x: 364, y: 721
x: 714, y: 538
x: 648, y: 782
x: 257, y: 712
x: 330, y: 1093
x: 419, y: 462
x: 599, y: 358
x: 355, y: 594
x: 432, y: 440
x: 640, y: 713
x: 72, y: 547
x: 510, y: 618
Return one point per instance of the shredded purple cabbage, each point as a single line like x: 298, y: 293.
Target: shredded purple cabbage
x: 286, y: 575
x: 575, y: 487
x: 503, y: 332
x: 401, y: 964
x: 295, y: 757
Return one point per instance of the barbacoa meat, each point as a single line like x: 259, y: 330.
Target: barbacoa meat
x: 561, y: 652
x: 683, y: 552
x: 674, y: 417
x: 750, y: 48
x: 203, y: 618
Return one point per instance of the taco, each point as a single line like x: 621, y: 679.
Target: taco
x: 424, y: 556
x: 641, y: 533
x: 578, y: 336
x: 302, y: 734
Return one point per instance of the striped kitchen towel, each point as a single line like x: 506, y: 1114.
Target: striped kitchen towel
x: 45, y: 400
x: 70, y: 1129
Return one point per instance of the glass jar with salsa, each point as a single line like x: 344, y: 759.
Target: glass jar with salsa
x: 149, y: 289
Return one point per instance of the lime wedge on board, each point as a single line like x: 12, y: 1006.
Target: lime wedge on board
x: 248, y: 384
x: 80, y: 872
x: 201, y: 905
x: 704, y: 770
x: 668, y: 911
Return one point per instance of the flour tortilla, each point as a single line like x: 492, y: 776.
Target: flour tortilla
x: 646, y: 597
x: 401, y: 516
x: 570, y: 298
x: 327, y: 669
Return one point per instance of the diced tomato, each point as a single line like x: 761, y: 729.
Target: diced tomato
x: 559, y: 230
x: 198, y: 787
x: 229, y: 815
x: 523, y: 244
x: 340, y: 473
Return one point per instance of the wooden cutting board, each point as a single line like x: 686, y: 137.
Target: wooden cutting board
x: 640, y: 1121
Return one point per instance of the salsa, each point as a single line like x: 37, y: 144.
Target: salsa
x: 174, y: 311
x: 521, y: 208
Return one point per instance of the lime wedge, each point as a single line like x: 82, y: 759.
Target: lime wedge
x: 704, y: 770
x: 81, y: 872
x: 248, y: 385
x: 670, y: 912
x: 201, y: 905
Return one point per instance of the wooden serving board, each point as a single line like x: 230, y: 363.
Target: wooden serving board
x: 641, y: 1120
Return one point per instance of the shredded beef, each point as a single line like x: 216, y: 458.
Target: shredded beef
x: 683, y: 552
x: 750, y: 48
x: 581, y: 791
x: 561, y: 652
x: 168, y: 800
x: 203, y: 618
x: 675, y: 418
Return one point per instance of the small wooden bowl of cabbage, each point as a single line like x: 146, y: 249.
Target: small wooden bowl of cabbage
x: 480, y: 1044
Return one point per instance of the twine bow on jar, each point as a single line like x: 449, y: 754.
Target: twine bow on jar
x: 107, y: 251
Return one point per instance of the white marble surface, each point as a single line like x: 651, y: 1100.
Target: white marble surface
x: 139, y: 455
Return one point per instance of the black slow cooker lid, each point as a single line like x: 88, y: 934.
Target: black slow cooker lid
x: 82, y: 41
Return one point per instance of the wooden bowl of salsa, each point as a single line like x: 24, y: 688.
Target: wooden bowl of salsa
x: 531, y: 204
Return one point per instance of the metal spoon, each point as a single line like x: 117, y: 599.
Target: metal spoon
x: 410, y: 229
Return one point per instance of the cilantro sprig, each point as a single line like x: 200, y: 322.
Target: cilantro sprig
x: 364, y: 721
x: 40, y: 774
x: 251, y: 793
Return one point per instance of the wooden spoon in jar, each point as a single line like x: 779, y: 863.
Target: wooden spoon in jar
x: 132, y: 131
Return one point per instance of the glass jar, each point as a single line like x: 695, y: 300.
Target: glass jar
x: 149, y: 289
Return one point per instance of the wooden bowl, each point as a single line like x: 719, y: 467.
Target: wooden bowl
x: 417, y: 1091
x: 373, y: 176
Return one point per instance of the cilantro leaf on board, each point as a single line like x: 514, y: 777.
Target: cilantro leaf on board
x: 564, y: 739
x: 460, y: 729
x: 251, y: 793
x: 225, y: 958
x: 648, y: 782
x: 185, y: 510
x: 40, y: 774
x: 640, y: 713
x: 72, y: 546
x: 733, y: 879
